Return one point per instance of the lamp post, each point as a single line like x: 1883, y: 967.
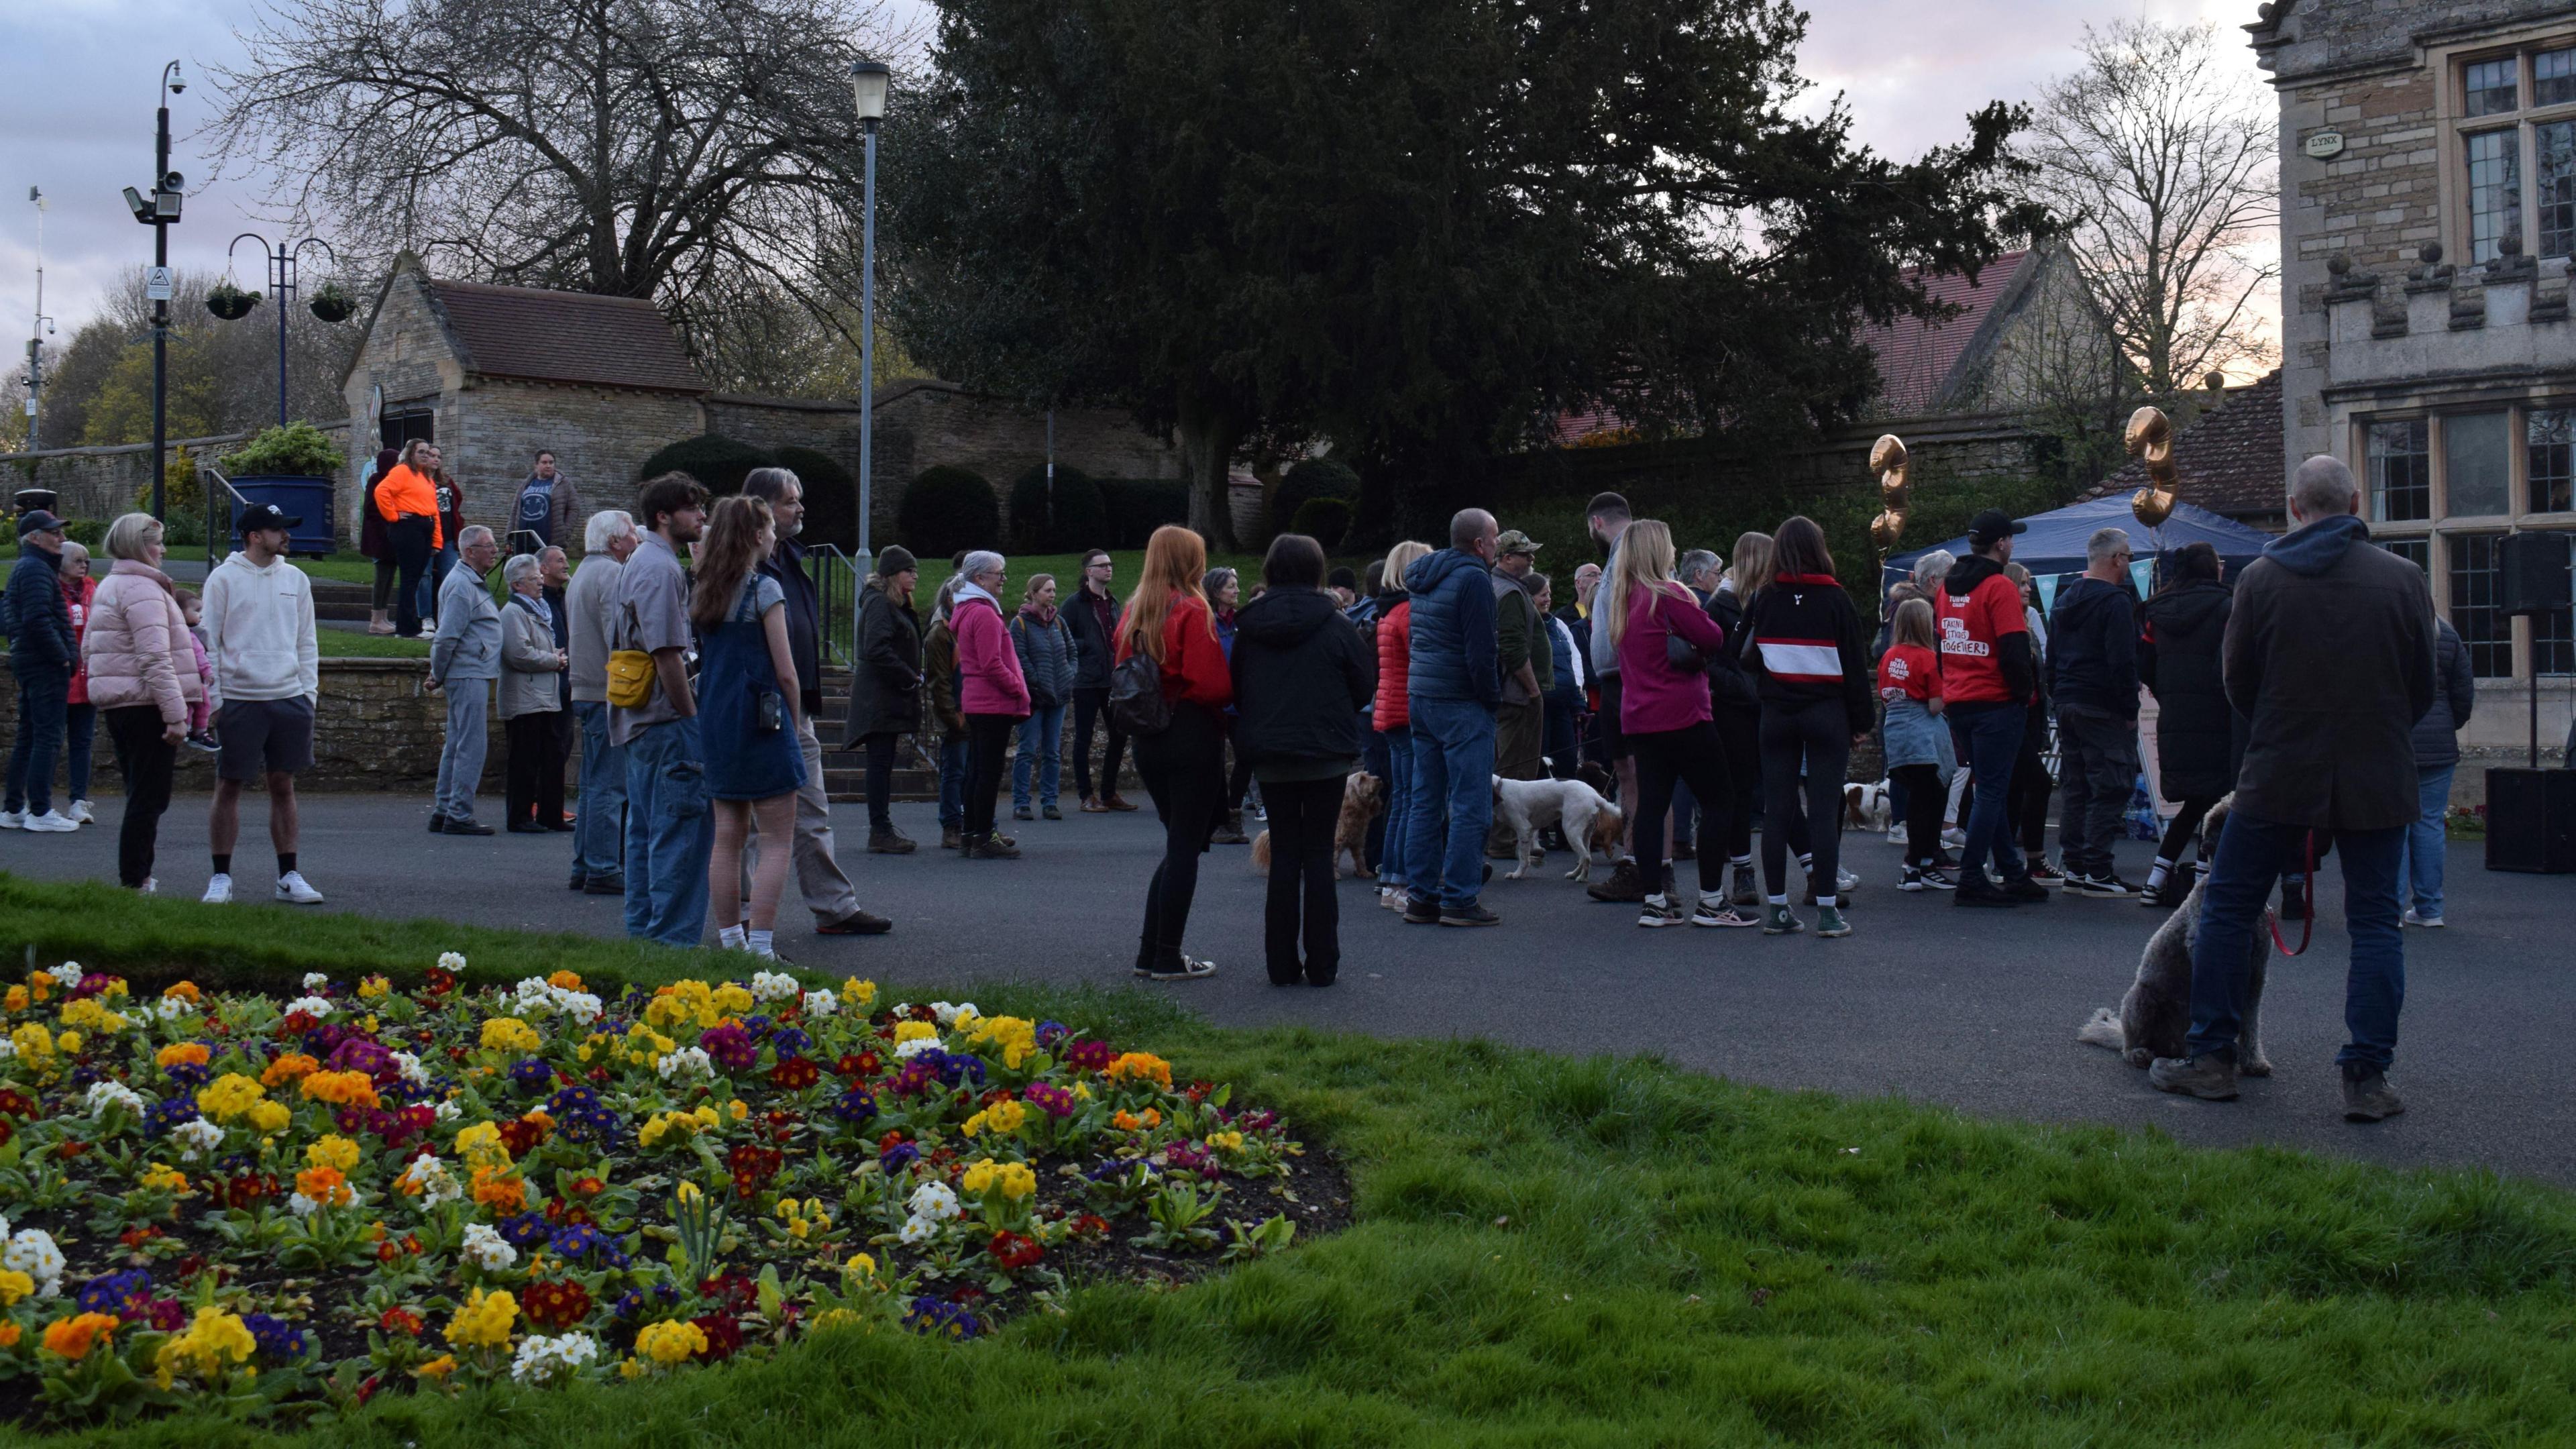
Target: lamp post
x: 282, y: 265
x: 160, y: 211
x: 868, y: 82
x: 43, y: 325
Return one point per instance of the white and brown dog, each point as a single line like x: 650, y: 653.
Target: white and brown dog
x: 2155, y: 1016
x: 1529, y: 806
x: 1363, y: 797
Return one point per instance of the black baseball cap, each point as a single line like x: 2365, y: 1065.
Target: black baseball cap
x: 36, y: 520
x: 1994, y: 525
x: 264, y: 515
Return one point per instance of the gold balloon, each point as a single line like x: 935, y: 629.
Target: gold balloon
x: 1887, y: 459
x: 2150, y: 440
x: 1885, y: 529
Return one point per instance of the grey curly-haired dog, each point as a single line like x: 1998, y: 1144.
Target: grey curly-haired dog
x: 2155, y: 1016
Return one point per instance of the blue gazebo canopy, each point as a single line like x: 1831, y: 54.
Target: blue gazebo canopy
x: 2055, y: 543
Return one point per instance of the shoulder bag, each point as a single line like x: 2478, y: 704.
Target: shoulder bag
x: 1136, y: 699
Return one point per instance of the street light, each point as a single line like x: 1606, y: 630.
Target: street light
x: 160, y: 211
x: 869, y: 80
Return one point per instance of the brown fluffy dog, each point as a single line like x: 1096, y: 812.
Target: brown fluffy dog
x: 1363, y: 796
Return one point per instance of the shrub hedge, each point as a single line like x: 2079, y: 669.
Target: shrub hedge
x: 713, y: 459
x: 1079, y: 518
x: 1312, y: 479
x: 1324, y: 520
x: 831, y: 496
x: 947, y: 509
x: 1138, y: 506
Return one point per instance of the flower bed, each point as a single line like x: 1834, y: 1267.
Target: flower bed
x: 272, y: 1205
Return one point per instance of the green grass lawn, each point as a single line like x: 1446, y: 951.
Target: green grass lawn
x: 1604, y: 1251
x: 358, y: 644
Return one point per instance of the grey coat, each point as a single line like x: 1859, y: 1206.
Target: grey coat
x: 468, y: 645
x: 2329, y: 655
x: 2437, y: 734
x: 1046, y: 659
x: 529, y: 676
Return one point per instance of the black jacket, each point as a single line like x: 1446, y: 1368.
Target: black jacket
x: 2200, y: 738
x: 1729, y: 686
x: 1302, y: 675
x: 1795, y: 614
x: 43, y: 639
x: 2093, y: 648
x: 804, y: 621
x: 1094, y: 649
x: 2437, y: 734
x: 885, y: 689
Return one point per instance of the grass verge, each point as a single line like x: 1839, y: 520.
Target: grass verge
x: 1612, y: 1252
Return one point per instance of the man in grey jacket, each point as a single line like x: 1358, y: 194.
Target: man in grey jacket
x: 2437, y: 758
x: 2329, y: 655
x: 599, y: 830
x: 464, y: 663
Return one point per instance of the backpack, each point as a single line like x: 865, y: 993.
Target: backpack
x: 1136, y: 699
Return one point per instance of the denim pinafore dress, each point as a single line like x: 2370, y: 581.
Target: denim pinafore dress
x: 745, y: 761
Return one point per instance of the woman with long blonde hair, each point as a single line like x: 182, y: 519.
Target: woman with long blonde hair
x: 1664, y: 642
x: 1738, y: 717
x: 1391, y: 716
x: 1168, y: 621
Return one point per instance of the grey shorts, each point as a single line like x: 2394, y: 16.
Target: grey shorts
x: 262, y: 737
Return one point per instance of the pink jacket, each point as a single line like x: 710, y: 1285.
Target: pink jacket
x: 988, y: 664
x: 137, y: 648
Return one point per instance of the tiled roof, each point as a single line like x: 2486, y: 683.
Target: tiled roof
x: 1916, y: 357
x: 2230, y: 461
x: 579, y: 337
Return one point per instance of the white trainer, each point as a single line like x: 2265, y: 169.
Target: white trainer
x: 13, y: 819
x: 52, y: 821
x: 150, y: 886
x: 2418, y: 918
x: 292, y: 887
x: 219, y: 891
x: 81, y: 812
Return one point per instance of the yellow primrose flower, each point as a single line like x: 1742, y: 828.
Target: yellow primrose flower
x: 855, y: 992
x: 905, y: 1031
x: 484, y: 1321
x: 14, y: 1286
x: 333, y: 1150
x: 509, y: 1034
x: 227, y: 1097
x: 671, y: 1341
x: 270, y: 1116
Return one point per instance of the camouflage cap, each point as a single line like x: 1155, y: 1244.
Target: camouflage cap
x: 1515, y: 541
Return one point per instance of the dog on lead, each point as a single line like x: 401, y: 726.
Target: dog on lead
x: 1588, y: 821
x: 2155, y: 1016
x: 1363, y: 796
x: 1865, y: 807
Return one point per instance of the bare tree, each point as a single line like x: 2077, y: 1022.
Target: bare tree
x: 639, y: 148
x: 2159, y: 158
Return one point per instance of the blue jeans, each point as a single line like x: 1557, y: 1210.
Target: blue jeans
x: 2424, y: 840
x: 41, y: 692
x: 80, y: 726
x: 670, y: 833
x: 2251, y: 855
x: 952, y: 781
x: 1399, y: 806
x: 1988, y: 733
x: 598, y: 840
x: 1453, y: 800
x: 1041, y: 752
x: 439, y: 563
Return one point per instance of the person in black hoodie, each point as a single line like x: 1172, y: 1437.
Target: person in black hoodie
x: 2092, y: 673
x: 1302, y: 675
x: 2200, y: 738
x: 1809, y: 658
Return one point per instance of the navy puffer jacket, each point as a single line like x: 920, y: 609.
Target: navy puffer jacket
x: 1454, y: 655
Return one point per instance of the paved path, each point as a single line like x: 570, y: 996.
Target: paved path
x: 1974, y: 1009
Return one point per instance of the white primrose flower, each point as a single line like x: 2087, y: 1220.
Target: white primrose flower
x: 917, y: 1230
x: 451, y: 961
x: 935, y: 1200
x: 543, y: 1360
x: 772, y: 986
x: 907, y: 1050
x: 410, y: 1067
x: 447, y: 1111
x: 437, y: 1185
x: 314, y: 981
x: 582, y: 1006
x: 310, y: 1005
x: 687, y: 1060
x: 948, y: 1012
x: 821, y: 1003
x: 197, y: 1139
x: 32, y: 1252
x: 171, y: 1008
x: 104, y: 1094
x: 8, y: 1049
x: 67, y: 975
x: 486, y: 1249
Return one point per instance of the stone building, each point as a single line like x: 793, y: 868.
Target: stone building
x: 2428, y: 176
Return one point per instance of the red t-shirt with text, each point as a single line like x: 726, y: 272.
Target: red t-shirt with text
x: 1970, y: 629
x: 1912, y: 669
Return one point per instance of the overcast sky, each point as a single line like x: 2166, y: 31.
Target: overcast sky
x: 76, y: 97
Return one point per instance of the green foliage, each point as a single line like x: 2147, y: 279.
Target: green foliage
x: 182, y: 496
x: 712, y: 458
x: 1324, y: 520
x: 1138, y: 506
x: 1310, y: 479
x: 947, y: 509
x: 89, y: 533
x: 831, y: 495
x: 297, y: 450
x: 1078, y: 519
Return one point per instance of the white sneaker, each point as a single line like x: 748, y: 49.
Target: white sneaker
x: 80, y: 812
x: 1955, y: 838
x: 291, y: 887
x: 1896, y: 835
x: 2430, y: 923
x: 13, y: 819
x: 219, y: 891
x: 1844, y: 880
x: 150, y: 886
x: 52, y: 821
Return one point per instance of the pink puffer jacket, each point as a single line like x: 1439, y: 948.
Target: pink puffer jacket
x: 988, y: 664
x: 137, y: 646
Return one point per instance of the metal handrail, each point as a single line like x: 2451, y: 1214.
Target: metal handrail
x: 215, y: 539
x: 840, y: 576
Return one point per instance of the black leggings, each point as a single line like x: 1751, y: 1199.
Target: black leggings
x: 1238, y: 778
x: 147, y: 761
x: 1924, y: 799
x: 2186, y: 828
x: 533, y: 788
x: 881, y: 782
x: 380, y: 595
x: 1692, y: 754
x: 409, y: 538
x: 1184, y: 772
x: 1820, y: 734
x: 1090, y: 705
x: 1740, y: 731
x: 988, y: 740
x: 1303, y: 815
x: 2026, y: 799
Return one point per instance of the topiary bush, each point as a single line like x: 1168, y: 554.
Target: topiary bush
x: 1138, y: 506
x: 297, y: 450
x: 1312, y: 479
x: 1324, y: 520
x: 713, y: 459
x: 947, y: 509
x: 1079, y: 519
x: 831, y: 496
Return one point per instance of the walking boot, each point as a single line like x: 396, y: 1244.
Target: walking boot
x: 890, y: 842
x: 992, y: 847
x: 2367, y: 1097
x: 2208, y: 1078
x: 950, y: 838
x: 1229, y: 830
x: 1625, y: 887
x: 1740, y: 889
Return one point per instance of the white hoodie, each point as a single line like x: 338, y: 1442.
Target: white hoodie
x: 259, y: 632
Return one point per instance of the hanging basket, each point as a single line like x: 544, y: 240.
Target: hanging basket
x: 229, y: 302
x: 331, y: 304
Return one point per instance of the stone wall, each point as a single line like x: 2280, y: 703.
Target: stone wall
x: 600, y: 438
x: 1961, y: 447
x: 101, y: 483
x: 926, y: 423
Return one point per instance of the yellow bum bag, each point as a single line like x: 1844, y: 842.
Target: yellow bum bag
x: 630, y: 672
